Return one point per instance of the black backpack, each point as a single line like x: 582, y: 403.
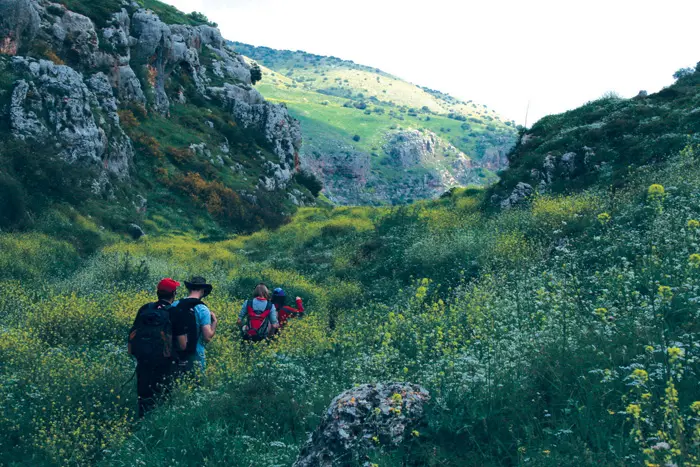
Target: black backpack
x: 184, y: 313
x: 151, y: 337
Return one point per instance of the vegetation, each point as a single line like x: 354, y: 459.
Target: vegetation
x: 535, y: 347
x: 339, y: 101
x: 563, y: 331
x: 609, y: 136
x: 193, y: 189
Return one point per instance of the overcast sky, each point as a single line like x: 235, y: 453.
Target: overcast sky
x: 503, y: 53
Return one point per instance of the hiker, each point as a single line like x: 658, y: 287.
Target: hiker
x: 259, y: 316
x: 195, y: 326
x: 151, y: 343
x: 284, y: 312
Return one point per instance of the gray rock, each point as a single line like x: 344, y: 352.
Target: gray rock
x: 520, y: 193
x: 129, y: 86
x: 120, y: 151
x: 53, y: 101
x: 74, y: 35
x: 568, y: 163
x: 116, y: 37
x: 281, y: 131
x: 155, y: 43
x: 19, y: 24
x: 136, y: 231
x: 362, y: 418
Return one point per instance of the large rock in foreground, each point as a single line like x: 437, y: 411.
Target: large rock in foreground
x: 361, y: 419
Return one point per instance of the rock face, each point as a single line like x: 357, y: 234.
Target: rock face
x: 53, y: 101
x: 19, y: 25
x: 520, y: 193
x: 361, y: 419
x: 425, y: 166
x: 129, y: 59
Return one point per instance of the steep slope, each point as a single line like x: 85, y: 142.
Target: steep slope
x: 160, y: 120
x: 604, y: 141
x: 352, y: 116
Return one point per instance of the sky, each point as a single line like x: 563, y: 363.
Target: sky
x: 506, y: 54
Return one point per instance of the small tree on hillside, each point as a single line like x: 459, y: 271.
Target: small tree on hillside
x: 683, y: 73
x: 255, y: 73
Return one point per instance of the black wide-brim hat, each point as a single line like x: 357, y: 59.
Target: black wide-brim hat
x: 198, y: 283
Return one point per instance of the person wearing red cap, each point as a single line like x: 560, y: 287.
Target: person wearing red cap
x: 151, y: 343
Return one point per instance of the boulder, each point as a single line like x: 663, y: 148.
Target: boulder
x: 136, y: 231
x: 521, y: 192
x: 361, y: 419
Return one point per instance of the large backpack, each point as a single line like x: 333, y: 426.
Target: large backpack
x: 258, y: 322
x: 185, y: 310
x: 151, y: 338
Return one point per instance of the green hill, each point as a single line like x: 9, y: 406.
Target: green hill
x: 351, y: 116
x: 605, y: 140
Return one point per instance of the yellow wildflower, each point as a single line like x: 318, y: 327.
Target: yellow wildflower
x: 646, y: 396
x: 603, y: 218
x: 665, y: 292
x: 675, y: 353
x: 634, y: 409
x: 694, y: 260
x: 546, y: 452
x: 649, y: 348
x: 656, y: 190
x: 601, y: 312
x: 695, y: 407
x: 415, y: 433
x: 693, y: 224
x: 640, y: 375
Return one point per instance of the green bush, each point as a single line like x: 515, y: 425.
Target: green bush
x: 309, y: 181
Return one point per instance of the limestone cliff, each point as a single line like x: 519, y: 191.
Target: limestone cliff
x: 72, y: 75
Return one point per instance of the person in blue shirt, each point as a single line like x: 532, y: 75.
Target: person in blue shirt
x: 196, y: 322
x: 258, y: 317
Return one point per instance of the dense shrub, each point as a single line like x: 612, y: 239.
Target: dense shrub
x: 310, y: 181
x: 255, y: 73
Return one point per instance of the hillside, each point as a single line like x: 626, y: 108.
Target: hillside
x: 374, y: 138
x: 552, y: 326
x: 606, y: 140
x: 136, y: 116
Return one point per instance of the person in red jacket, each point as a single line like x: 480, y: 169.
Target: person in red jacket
x: 284, y: 312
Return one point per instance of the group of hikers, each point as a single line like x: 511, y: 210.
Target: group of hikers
x: 169, y: 336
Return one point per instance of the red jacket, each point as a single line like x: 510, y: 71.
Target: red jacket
x: 290, y: 312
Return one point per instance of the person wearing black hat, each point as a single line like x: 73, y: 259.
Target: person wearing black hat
x: 196, y: 322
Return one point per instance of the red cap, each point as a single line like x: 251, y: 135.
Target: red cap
x: 168, y: 285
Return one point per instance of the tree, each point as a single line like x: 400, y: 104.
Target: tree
x: 356, y: 138
x: 683, y: 73
x: 255, y: 73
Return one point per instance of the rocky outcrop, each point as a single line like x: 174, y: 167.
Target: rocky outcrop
x: 54, y: 102
x: 280, y: 130
x: 362, y: 419
x: 520, y: 193
x: 19, y: 25
x: 130, y: 58
x: 425, y: 166
x: 412, y: 147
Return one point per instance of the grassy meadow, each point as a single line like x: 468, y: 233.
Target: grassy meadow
x: 564, y: 332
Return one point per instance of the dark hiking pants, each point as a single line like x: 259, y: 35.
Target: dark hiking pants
x: 152, y: 384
